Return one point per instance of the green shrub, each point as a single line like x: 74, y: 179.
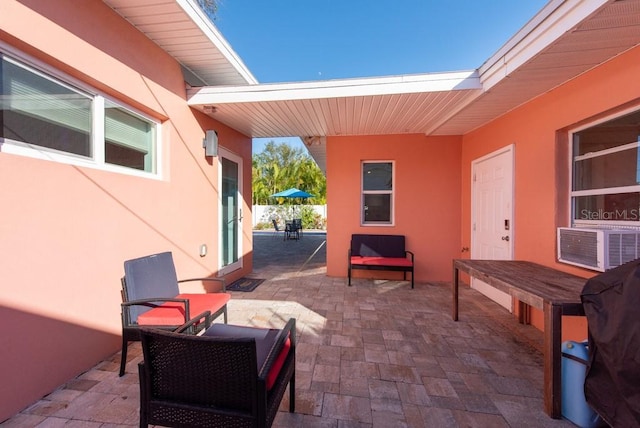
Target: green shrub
x: 263, y: 226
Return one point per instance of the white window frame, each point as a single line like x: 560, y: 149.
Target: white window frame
x: 582, y: 222
x: 97, y: 159
x: 391, y: 192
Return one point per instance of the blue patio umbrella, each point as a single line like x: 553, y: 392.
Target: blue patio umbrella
x: 292, y: 193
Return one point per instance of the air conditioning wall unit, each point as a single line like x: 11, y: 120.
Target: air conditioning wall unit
x: 597, y: 249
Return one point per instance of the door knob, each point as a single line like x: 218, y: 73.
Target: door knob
x: 505, y: 238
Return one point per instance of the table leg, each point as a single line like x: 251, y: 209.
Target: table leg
x: 553, y: 360
x: 454, y: 291
x: 524, y: 313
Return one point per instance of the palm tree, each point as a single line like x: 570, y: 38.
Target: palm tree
x: 279, y: 167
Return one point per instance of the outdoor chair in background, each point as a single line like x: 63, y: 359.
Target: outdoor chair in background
x: 291, y: 231
x: 276, y: 228
x: 228, y: 376
x: 297, y: 224
x: 151, y: 298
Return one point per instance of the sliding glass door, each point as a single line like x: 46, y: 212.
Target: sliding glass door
x: 230, y: 212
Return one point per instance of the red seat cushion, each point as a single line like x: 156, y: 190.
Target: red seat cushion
x: 277, y: 364
x: 265, y: 338
x: 381, y: 261
x: 172, y: 313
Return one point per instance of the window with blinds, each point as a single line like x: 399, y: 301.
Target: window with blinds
x: 128, y: 139
x: 606, y: 172
x: 43, y: 113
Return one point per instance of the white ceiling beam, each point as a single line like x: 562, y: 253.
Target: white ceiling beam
x: 435, y: 82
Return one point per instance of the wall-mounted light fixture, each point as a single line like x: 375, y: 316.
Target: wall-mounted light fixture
x: 210, y: 143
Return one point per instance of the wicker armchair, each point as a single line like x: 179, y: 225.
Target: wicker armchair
x: 151, y: 298
x: 230, y: 376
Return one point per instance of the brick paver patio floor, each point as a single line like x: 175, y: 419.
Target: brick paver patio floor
x: 376, y: 354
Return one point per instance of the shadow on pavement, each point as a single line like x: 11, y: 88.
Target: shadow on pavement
x: 308, y: 252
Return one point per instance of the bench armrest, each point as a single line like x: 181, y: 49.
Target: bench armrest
x: 220, y: 280
x: 287, y: 332
x: 153, y: 302
x: 190, y: 326
x: 150, y: 302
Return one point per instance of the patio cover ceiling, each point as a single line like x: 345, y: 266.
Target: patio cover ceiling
x: 565, y: 39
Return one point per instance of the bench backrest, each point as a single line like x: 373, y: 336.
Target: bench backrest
x: 148, y: 277
x: 377, y: 245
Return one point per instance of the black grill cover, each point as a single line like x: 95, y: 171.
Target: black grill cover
x: 611, y: 302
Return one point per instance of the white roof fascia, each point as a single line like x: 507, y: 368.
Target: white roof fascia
x: 420, y: 83
x: 203, y: 22
x: 555, y: 19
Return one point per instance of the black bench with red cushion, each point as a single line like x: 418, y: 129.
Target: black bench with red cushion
x: 380, y: 252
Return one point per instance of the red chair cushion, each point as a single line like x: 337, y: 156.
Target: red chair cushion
x: 380, y: 261
x: 265, y: 338
x: 277, y: 364
x: 172, y: 313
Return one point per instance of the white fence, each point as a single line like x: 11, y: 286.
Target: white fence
x: 260, y: 212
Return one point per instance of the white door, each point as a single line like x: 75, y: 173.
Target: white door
x: 230, y: 228
x: 492, y: 215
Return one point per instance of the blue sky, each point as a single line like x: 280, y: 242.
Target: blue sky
x: 305, y: 40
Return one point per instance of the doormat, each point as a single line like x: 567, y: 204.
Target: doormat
x: 245, y: 284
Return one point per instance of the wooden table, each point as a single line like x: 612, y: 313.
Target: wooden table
x: 554, y: 292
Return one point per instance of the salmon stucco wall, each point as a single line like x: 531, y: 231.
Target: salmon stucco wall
x: 66, y: 229
x: 426, y: 196
x: 539, y: 132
